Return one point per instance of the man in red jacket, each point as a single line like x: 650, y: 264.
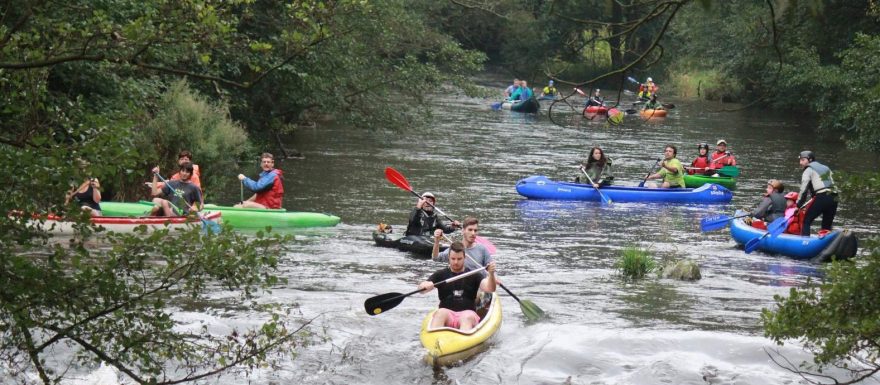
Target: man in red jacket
x: 721, y: 156
x: 269, y: 189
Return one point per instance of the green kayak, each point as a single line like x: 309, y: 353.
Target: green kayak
x: 235, y: 217
x: 699, y: 180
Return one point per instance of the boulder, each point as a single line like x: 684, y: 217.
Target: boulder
x: 685, y: 270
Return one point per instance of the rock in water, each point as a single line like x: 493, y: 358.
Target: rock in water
x: 685, y: 270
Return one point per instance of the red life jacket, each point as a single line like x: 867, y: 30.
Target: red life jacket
x: 271, y: 198
x: 702, y: 162
x: 797, y: 223
x: 726, y: 161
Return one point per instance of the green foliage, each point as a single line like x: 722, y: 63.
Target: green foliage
x: 860, y: 99
x: 635, y: 262
x: 839, y: 319
x: 187, y: 120
x: 708, y: 84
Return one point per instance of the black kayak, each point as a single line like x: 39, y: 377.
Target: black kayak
x: 528, y: 106
x: 418, y: 245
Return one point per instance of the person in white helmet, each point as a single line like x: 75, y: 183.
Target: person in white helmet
x: 647, y: 89
x: 423, y: 220
x: 817, y: 182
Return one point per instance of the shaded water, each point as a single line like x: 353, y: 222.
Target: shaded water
x: 560, y: 255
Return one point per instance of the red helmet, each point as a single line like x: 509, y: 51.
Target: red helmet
x: 791, y: 195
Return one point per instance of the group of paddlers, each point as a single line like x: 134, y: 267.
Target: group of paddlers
x: 182, y: 193
x: 817, y: 197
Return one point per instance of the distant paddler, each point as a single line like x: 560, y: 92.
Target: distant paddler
x: 550, y: 91
x: 268, y: 189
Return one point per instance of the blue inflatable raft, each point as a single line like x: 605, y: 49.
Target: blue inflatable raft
x: 797, y: 246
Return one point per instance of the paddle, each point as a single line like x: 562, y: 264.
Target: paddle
x: 649, y: 172
x: 773, y: 229
x: 778, y: 225
x: 207, y: 226
x: 399, y: 180
x: 384, y: 302
x: 605, y: 199
x: 729, y: 171
x: 497, y: 106
x: 717, y: 222
x: 668, y: 106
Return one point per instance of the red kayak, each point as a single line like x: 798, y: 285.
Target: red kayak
x: 596, y: 110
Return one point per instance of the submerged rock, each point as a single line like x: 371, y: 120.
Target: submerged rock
x: 685, y: 270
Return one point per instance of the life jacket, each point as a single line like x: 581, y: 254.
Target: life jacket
x: 550, y: 90
x: 824, y: 174
x: 725, y: 160
x: 271, y: 197
x: 797, y: 222
x: 701, y: 162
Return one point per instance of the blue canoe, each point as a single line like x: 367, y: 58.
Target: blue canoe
x: 539, y: 187
x: 795, y: 246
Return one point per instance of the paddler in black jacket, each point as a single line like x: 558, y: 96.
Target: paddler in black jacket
x: 423, y: 220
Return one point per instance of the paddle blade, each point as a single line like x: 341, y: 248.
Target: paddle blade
x: 210, y: 227
x: 668, y: 106
x: 497, y: 106
x: 605, y: 199
x: 714, y: 222
x: 729, y: 171
x: 382, y: 303
x: 397, y: 179
x: 630, y: 78
x: 578, y: 90
x: 777, y: 227
x: 532, y: 312
x: 487, y: 243
x: 753, y: 244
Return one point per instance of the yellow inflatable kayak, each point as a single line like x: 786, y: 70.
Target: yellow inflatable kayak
x: 447, y: 346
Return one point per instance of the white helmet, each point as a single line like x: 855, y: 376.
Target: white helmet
x: 650, y: 80
x: 429, y: 195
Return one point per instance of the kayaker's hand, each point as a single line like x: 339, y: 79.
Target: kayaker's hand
x: 421, y: 203
x: 155, y: 170
x: 596, y: 185
x: 456, y: 224
x: 491, y: 267
x: 438, y: 234
x: 426, y: 286
x: 241, y: 176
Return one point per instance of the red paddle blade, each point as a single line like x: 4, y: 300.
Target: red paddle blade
x: 397, y: 179
x: 487, y: 243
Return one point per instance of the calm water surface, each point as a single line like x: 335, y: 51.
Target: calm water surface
x: 560, y: 255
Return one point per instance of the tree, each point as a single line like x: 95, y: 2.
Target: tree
x: 839, y: 319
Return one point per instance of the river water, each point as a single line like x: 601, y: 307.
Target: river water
x: 560, y: 255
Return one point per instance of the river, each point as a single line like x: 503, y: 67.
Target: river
x: 560, y: 255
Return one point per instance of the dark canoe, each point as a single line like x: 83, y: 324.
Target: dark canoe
x: 418, y: 245
x: 529, y: 106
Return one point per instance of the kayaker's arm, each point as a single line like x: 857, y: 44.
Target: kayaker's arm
x: 154, y: 187
x: 489, y: 284
x: 435, y: 250
x: 762, y: 208
x: 426, y: 286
